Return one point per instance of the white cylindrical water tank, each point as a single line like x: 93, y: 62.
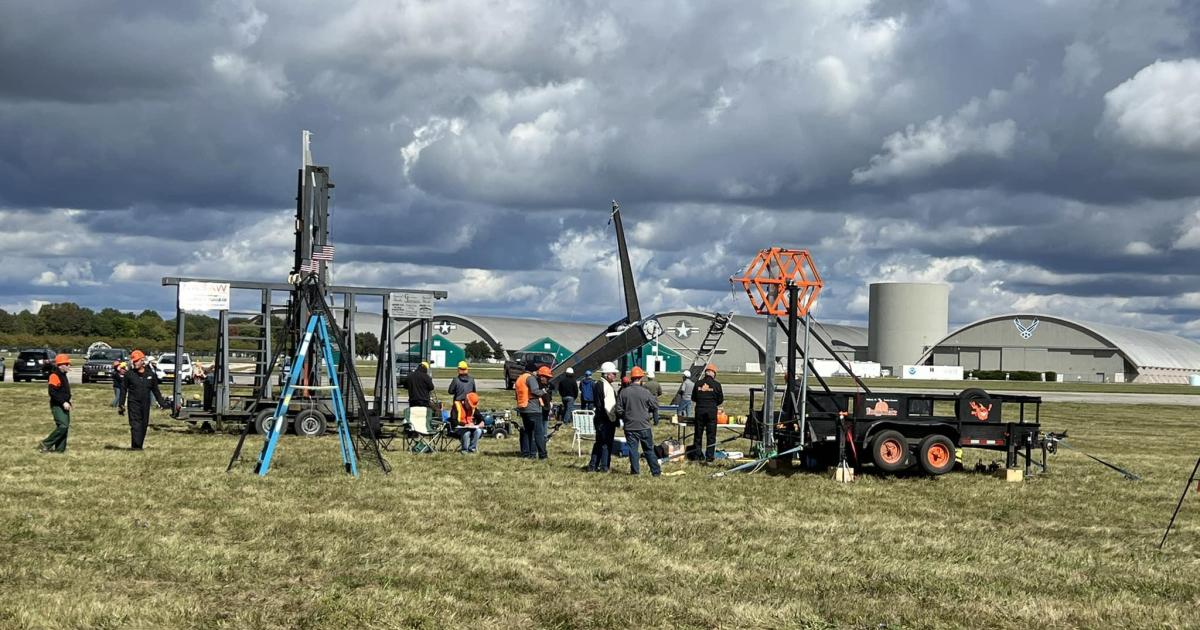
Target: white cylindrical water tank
x: 905, y: 319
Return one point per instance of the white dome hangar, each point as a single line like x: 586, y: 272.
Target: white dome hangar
x: 1078, y: 350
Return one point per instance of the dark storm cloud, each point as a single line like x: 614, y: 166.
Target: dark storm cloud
x: 1020, y: 151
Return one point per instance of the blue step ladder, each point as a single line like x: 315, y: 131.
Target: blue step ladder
x: 318, y: 326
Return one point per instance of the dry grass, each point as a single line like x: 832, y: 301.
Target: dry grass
x: 105, y: 538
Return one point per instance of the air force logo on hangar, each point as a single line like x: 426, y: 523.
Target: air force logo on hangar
x: 1026, y: 331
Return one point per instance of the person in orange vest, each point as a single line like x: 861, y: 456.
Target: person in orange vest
x: 533, y: 394
x: 140, y: 383
x: 60, y: 406
x: 467, y: 421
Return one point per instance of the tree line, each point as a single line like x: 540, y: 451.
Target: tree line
x: 68, y: 326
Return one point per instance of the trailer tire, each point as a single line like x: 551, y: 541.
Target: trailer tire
x: 500, y: 434
x: 262, y: 422
x: 889, y: 451
x: 310, y: 423
x: 973, y: 395
x: 937, y: 454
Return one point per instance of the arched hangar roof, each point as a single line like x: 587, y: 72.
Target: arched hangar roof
x: 1141, y: 348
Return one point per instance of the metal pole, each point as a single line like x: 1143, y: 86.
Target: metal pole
x: 223, y: 373
x: 177, y: 386
x: 1180, y: 504
x: 804, y: 380
x: 766, y: 427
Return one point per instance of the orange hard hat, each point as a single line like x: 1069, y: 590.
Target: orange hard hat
x: 711, y: 367
x: 62, y: 359
x: 637, y: 372
x: 137, y: 355
x: 473, y: 399
x: 544, y: 371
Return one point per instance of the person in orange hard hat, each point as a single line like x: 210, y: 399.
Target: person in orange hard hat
x: 707, y: 396
x: 139, y: 384
x: 60, y: 406
x: 636, y: 407
x: 467, y: 422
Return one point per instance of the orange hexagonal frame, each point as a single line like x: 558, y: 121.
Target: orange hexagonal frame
x: 773, y: 270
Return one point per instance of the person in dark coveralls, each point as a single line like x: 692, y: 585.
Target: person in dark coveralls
x: 140, y: 383
x: 568, y: 391
x: 707, y: 396
x: 605, y: 418
x: 60, y: 406
x: 636, y: 407
x: 420, y: 387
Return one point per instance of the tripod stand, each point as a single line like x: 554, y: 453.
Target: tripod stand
x: 1179, y: 505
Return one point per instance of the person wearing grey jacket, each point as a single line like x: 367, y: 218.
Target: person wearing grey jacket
x: 636, y: 407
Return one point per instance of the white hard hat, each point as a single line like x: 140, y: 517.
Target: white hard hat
x: 570, y: 370
x: 609, y: 368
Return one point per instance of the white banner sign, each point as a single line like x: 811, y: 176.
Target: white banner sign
x: 204, y: 296
x: 410, y: 305
x: 932, y: 372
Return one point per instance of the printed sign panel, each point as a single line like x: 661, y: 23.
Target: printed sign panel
x: 204, y: 296
x: 410, y: 305
x: 881, y: 407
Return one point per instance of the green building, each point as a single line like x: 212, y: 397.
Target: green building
x: 445, y: 353
x: 546, y: 344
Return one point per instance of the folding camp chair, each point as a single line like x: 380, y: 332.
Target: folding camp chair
x: 583, y: 421
x: 420, y: 432
x: 447, y: 437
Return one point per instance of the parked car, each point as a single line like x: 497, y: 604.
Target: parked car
x: 33, y: 364
x: 99, y: 364
x: 166, y: 370
x: 406, y: 363
x: 515, y: 367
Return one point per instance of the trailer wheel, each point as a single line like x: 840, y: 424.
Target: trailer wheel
x: 889, y: 450
x: 262, y: 422
x: 500, y: 434
x: 937, y: 454
x: 310, y: 423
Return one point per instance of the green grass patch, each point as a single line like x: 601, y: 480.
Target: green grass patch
x: 106, y: 538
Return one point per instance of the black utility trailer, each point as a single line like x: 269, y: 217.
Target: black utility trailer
x: 897, y: 430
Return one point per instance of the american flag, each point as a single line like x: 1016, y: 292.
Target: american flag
x: 323, y: 252
x: 308, y: 266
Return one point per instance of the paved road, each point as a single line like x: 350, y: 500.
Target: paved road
x: 1075, y: 397
x: 744, y: 390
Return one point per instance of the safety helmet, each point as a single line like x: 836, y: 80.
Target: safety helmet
x: 62, y: 359
x: 462, y: 365
x: 137, y: 355
x: 425, y: 364
x: 608, y: 367
x: 711, y: 367
x: 473, y: 399
x: 544, y: 371
x: 570, y: 370
x: 587, y: 373
x: 637, y: 372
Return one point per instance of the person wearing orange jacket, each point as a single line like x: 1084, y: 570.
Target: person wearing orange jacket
x: 533, y: 396
x: 467, y: 422
x: 60, y: 406
x: 139, y: 384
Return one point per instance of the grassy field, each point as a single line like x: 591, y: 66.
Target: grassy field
x: 106, y: 538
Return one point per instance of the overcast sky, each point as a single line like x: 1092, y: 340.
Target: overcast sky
x: 1038, y: 155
